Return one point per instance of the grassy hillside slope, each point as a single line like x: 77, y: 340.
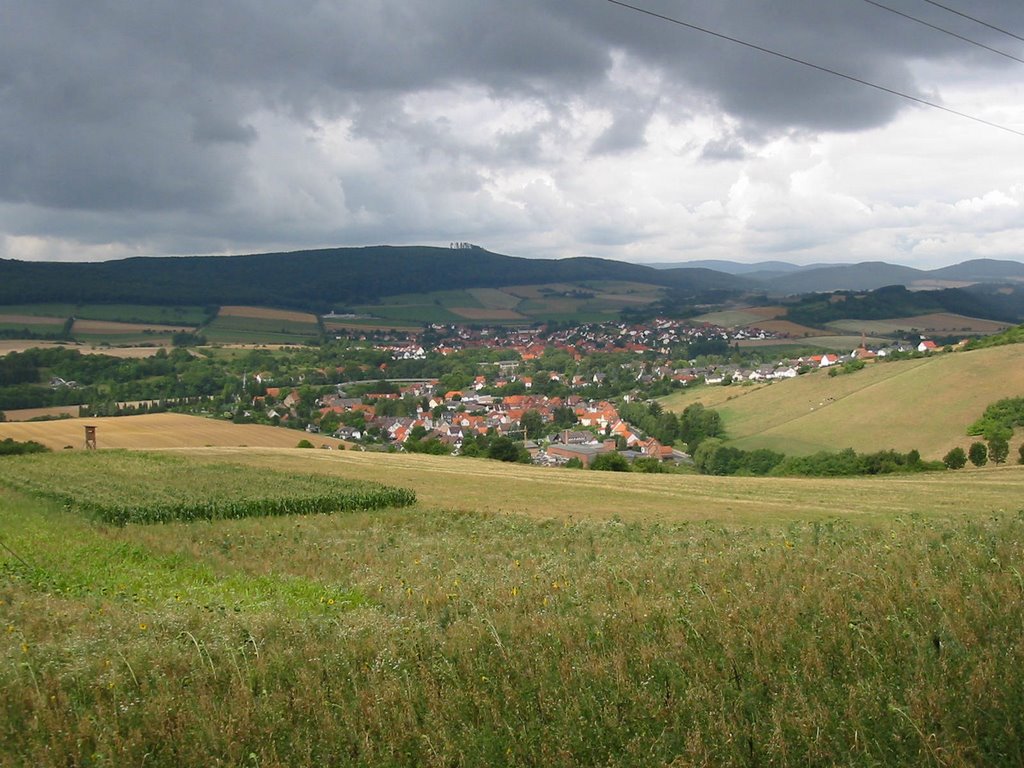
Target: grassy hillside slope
x: 481, y: 485
x: 924, y: 404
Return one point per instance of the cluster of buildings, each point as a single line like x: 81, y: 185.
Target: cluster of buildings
x: 660, y: 336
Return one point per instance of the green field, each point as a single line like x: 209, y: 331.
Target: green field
x: 34, y: 328
x: 586, y: 302
x: 943, y: 324
x: 820, y: 343
x: 925, y: 404
x: 592, y: 621
x: 122, y: 313
x: 226, y: 329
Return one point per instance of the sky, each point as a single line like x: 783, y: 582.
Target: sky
x: 537, y: 128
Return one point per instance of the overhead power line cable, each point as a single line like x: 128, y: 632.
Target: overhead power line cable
x: 944, y: 31
x: 975, y: 19
x: 811, y: 65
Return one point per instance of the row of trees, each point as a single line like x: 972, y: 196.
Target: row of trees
x: 979, y: 454
x: 714, y: 457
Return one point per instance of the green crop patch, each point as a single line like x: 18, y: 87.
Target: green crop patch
x: 120, y: 488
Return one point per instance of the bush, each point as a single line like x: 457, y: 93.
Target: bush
x: 610, y: 462
x: 11, y: 447
x: 304, y: 444
x: 648, y: 464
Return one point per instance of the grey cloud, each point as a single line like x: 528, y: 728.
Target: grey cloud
x: 725, y: 148
x: 147, y: 114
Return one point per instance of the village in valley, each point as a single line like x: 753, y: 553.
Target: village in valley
x: 558, y: 393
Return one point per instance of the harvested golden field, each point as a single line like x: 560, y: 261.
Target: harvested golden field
x: 158, y: 430
x: 110, y: 327
x: 265, y: 313
x: 788, y: 326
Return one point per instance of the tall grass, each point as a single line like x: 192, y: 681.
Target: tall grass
x: 496, y: 640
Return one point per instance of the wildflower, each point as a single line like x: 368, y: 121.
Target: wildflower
x: 143, y: 627
x: 330, y: 601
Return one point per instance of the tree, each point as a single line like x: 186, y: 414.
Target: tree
x: 978, y: 454
x: 564, y: 417
x: 1021, y: 452
x: 532, y: 424
x: 955, y: 459
x: 998, y: 449
x: 506, y: 449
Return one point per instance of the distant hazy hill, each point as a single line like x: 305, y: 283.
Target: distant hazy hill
x: 852, y: 277
x: 981, y: 270
x: 782, y: 277
x: 319, y: 279
x: 735, y: 267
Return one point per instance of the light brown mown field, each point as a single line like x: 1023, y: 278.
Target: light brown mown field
x: 111, y: 327
x: 265, y: 313
x: 926, y: 403
x: 25, y: 414
x: 158, y: 430
x: 13, y: 345
x: 742, y: 316
x: 481, y: 485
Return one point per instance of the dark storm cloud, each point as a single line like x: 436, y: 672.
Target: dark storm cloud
x: 153, y: 107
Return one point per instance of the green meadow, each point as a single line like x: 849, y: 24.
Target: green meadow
x: 512, y: 616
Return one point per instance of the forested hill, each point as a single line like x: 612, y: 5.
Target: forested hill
x: 318, y: 279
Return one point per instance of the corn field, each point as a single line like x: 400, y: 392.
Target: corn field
x: 119, y: 488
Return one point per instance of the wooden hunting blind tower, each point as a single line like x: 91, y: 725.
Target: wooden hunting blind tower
x: 90, y: 438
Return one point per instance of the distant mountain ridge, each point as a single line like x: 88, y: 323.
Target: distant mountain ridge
x: 322, y: 279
